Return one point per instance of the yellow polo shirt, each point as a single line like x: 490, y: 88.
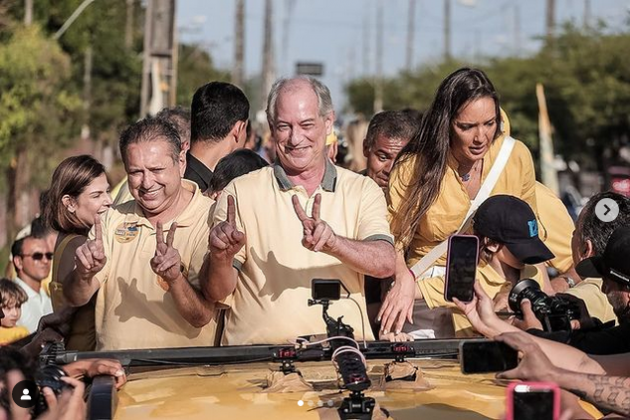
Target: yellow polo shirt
x: 9, y: 335
x: 432, y: 289
x: 590, y: 291
x: 133, y: 308
x: 449, y: 209
x: 555, y: 228
x: 269, y: 304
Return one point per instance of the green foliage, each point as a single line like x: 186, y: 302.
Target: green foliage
x: 36, y: 107
x: 195, y: 70
x: 586, y: 81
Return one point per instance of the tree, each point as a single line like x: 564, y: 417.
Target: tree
x: 37, y: 111
x: 195, y: 70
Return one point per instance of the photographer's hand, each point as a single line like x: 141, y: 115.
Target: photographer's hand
x: 480, y: 313
x: 529, y: 320
x: 70, y: 405
x: 534, y: 364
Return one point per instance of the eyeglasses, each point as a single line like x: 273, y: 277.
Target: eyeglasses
x: 38, y: 256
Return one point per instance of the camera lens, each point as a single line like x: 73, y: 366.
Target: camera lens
x: 526, y: 289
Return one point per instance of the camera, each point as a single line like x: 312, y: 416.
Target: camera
x: 49, y: 376
x: 554, y: 312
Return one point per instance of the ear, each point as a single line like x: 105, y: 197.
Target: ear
x: 69, y: 203
x: 587, y: 249
x: 181, y: 161
x: 366, y: 150
x: 17, y: 262
x: 492, y: 246
x: 238, y: 130
x: 329, y: 121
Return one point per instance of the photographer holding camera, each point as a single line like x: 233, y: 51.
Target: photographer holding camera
x: 593, y: 239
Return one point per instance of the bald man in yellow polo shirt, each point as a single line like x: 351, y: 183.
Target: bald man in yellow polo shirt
x: 148, y: 279
x: 279, y: 227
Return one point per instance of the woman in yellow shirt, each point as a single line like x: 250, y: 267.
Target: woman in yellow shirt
x: 440, y: 172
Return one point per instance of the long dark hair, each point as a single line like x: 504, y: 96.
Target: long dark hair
x: 430, y: 147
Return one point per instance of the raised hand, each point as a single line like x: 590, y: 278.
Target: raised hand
x: 166, y: 262
x: 90, y: 257
x: 225, y: 238
x: 318, y: 235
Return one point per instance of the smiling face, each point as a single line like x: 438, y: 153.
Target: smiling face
x: 300, y: 132
x: 93, y: 200
x: 473, y: 130
x: 154, y: 178
x: 381, y: 157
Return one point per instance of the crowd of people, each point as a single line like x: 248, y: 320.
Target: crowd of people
x: 207, y: 243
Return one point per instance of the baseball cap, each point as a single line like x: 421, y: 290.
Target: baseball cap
x: 510, y: 221
x: 614, y: 264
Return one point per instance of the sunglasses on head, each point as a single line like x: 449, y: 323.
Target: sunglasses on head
x: 37, y: 256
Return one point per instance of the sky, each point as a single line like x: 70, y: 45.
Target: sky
x: 341, y: 34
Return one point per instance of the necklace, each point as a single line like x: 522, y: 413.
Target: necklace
x: 466, y: 176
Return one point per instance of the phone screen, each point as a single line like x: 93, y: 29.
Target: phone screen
x: 483, y: 356
x: 461, y: 267
x: 531, y: 403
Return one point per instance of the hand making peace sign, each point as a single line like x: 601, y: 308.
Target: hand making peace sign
x: 225, y: 238
x: 90, y: 257
x: 167, y: 262
x: 318, y: 235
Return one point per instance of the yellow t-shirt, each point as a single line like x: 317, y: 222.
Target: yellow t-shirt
x: 134, y: 310
x: 449, y: 209
x: 555, y: 228
x: 590, y: 291
x: 432, y: 289
x: 9, y: 335
x: 269, y: 305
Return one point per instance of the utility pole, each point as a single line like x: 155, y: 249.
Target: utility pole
x: 410, y: 33
x: 286, y: 29
x: 587, y: 13
x: 551, y: 19
x: 366, y: 42
x: 159, y: 72
x: 239, y: 45
x: 129, y: 25
x: 447, y: 30
x: 378, y: 85
x: 267, y: 65
x: 28, y: 12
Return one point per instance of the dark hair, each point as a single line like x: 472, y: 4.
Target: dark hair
x: 18, y: 246
x: 237, y: 163
x: 11, y: 294
x: 431, y: 144
x: 151, y: 129
x: 70, y: 178
x: 215, y: 108
x: 11, y: 358
x: 591, y: 228
x: 180, y: 118
x: 392, y: 124
x: 39, y: 228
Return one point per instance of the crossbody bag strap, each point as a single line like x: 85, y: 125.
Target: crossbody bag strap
x: 484, y: 192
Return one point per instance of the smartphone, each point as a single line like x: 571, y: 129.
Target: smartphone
x: 533, y: 400
x: 483, y: 356
x: 325, y: 289
x: 461, y: 267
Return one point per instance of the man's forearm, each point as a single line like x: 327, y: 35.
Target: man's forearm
x: 190, y: 303
x: 218, y: 279
x: 78, y: 291
x: 374, y: 258
x: 607, y: 392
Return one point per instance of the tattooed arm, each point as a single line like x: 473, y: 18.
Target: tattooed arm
x: 607, y: 392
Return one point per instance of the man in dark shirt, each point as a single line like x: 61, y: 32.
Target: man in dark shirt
x: 219, y: 114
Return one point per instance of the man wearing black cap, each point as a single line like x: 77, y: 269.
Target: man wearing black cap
x: 509, y: 250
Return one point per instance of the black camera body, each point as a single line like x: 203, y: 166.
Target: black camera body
x: 49, y: 376
x: 554, y: 312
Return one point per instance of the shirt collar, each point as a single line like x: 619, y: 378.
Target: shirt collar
x: 186, y: 218
x: 329, y: 181
x: 28, y: 289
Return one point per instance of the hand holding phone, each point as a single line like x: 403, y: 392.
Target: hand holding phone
x: 484, y: 356
x: 461, y: 267
x: 533, y: 400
